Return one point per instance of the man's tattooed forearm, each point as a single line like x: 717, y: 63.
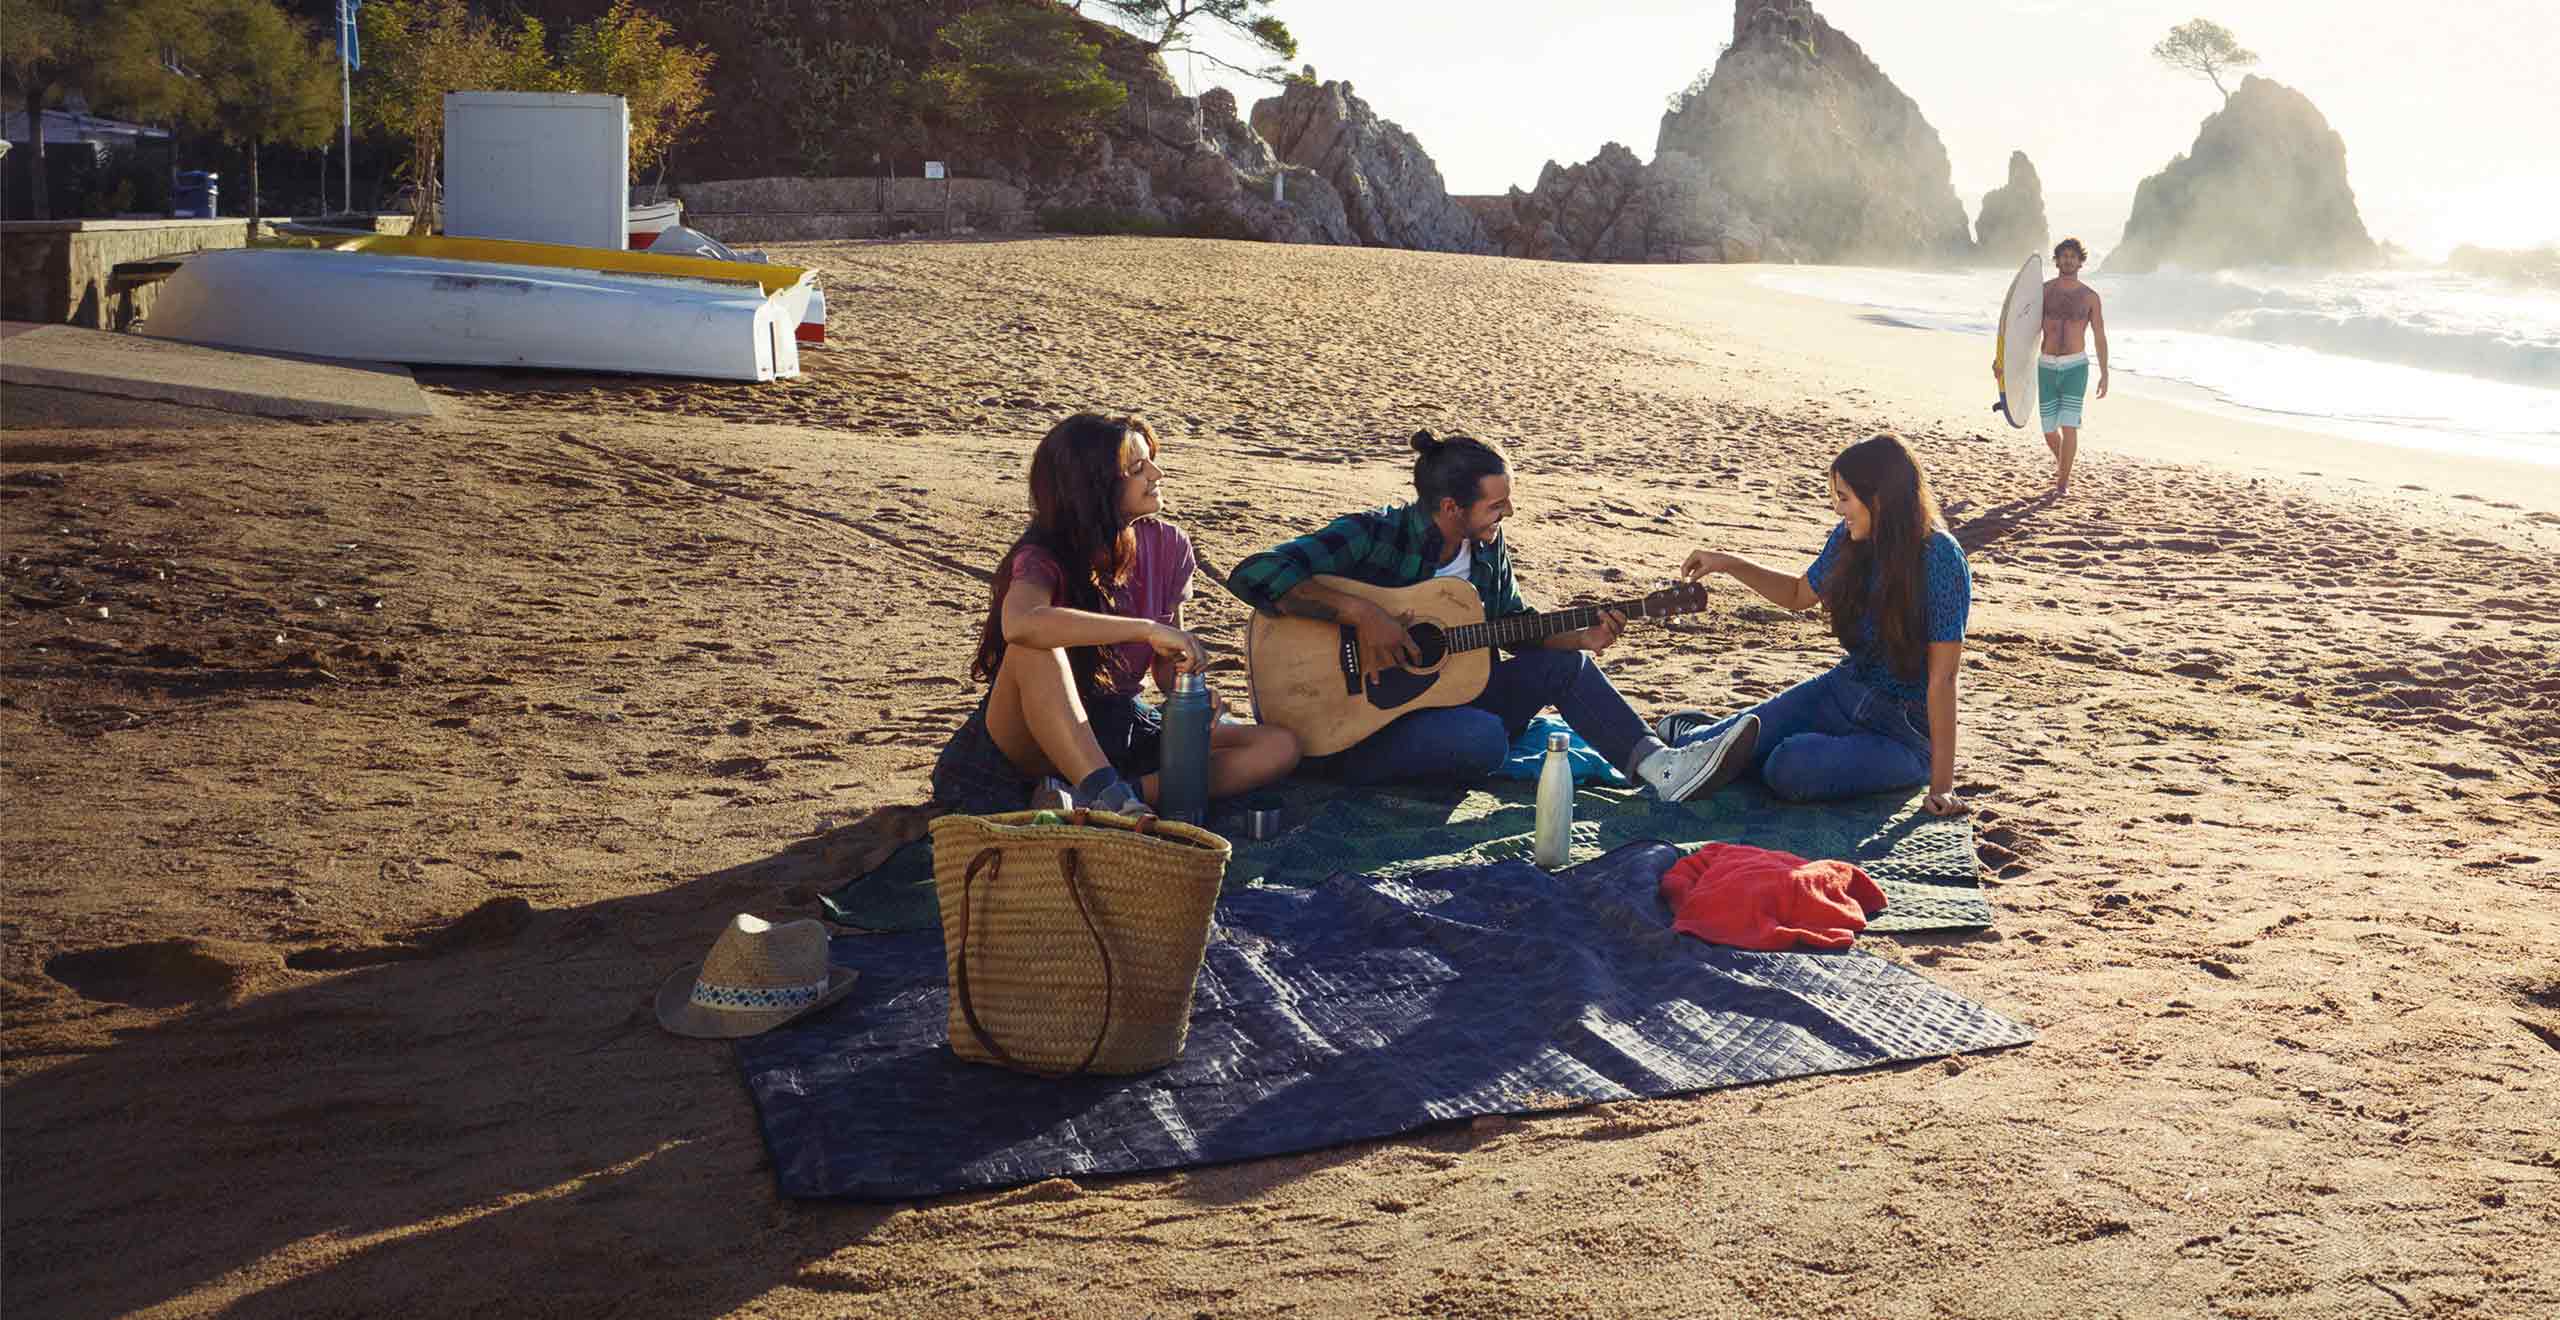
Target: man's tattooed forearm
x: 1300, y: 605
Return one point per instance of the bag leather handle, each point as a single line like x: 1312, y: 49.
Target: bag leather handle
x: 1071, y: 866
x: 1082, y: 818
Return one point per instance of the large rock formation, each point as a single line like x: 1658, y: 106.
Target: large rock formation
x: 1590, y: 212
x: 2264, y: 185
x: 1616, y: 208
x: 1806, y: 136
x: 2013, y: 222
x: 2531, y: 267
x: 1389, y: 187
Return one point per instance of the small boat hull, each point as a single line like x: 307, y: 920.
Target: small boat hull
x: 646, y: 220
x: 431, y: 311
x: 813, y: 320
x: 811, y: 332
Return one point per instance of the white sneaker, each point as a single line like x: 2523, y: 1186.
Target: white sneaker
x: 1678, y: 774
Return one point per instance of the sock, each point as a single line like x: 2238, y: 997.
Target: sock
x: 1646, y: 748
x: 1105, y: 790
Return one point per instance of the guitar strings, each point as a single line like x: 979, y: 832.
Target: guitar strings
x: 1526, y: 627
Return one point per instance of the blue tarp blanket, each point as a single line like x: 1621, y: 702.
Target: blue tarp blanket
x: 1527, y: 758
x: 1349, y: 1011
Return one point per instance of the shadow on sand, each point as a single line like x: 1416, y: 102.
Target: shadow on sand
x: 2000, y: 521
x: 488, y: 1130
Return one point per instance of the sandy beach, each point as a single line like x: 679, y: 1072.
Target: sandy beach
x: 365, y: 780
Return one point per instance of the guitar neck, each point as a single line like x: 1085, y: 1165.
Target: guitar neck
x: 1521, y: 629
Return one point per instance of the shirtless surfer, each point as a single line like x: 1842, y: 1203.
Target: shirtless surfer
x: 2072, y: 314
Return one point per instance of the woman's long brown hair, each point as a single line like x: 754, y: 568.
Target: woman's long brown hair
x: 1886, y: 575
x: 1075, y: 516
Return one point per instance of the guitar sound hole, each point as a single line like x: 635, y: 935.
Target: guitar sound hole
x: 1433, y: 643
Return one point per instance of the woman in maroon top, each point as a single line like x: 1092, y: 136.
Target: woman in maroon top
x: 1087, y: 603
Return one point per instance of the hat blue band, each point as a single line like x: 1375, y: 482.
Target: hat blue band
x: 757, y: 997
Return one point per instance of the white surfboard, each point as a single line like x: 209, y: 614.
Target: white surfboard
x: 2013, y: 350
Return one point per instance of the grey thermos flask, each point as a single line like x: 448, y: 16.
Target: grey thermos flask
x: 1183, y: 791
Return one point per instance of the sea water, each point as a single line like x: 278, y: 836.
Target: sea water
x: 2427, y: 359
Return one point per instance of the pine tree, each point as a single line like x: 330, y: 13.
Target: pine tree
x: 1164, y: 24
x: 1023, y: 70
x: 264, y: 78
x: 2206, y: 48
x: 119, y: 54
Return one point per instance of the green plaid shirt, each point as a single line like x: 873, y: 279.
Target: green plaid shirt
x: 1395, y: 545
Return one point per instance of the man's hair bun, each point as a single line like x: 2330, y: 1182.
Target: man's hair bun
x: 1425, y: 443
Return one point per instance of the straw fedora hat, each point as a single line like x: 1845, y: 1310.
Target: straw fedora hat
x: 757, y: 977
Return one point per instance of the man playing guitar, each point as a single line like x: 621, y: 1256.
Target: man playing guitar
x: 1455, y: 530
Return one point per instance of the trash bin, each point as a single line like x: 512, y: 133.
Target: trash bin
x: 196, y: 195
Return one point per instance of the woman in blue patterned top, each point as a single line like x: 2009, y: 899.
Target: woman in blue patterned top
x: 1896, y: 589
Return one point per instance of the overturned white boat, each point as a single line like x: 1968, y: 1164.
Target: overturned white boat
x: 388, y: 307
x: 676, y: 250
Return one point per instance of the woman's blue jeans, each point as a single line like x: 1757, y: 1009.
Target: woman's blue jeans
x: 1832, y: 736
x: 1468, y: 743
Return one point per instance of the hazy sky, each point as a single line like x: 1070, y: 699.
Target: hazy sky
x: 2448, y: 108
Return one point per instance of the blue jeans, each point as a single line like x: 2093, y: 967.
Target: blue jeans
x: 1832, y: 736
x: 1469, y: 742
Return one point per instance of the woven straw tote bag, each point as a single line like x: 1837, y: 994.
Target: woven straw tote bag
x: 1072, y: 942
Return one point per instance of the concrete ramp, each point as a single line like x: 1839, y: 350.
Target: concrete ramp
x: 62, y: 357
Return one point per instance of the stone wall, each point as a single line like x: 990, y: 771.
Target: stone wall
x: 779, y: 210
x: 58, y: 270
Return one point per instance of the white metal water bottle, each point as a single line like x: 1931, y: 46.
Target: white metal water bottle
x: 1555, y: 806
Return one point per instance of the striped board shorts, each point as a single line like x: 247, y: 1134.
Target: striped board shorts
x: 2061, y: 384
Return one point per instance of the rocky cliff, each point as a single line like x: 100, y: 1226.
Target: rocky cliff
x: 1389, y: 187
x: 1614, y: 207
x: 1805, y: 135
x: 1197, y: 166
x: 2264, y: 185
x: 2012, y: 222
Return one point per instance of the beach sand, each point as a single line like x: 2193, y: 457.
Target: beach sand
x: 365, y: 780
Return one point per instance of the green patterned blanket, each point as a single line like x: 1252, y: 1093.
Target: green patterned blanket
x: 1924, y: 864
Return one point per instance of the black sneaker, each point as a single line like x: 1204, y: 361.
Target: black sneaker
x: 1679, y: 724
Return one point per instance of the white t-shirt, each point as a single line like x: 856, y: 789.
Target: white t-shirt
x: 1458, y: 567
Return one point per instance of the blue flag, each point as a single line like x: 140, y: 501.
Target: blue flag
x: 347, y: 32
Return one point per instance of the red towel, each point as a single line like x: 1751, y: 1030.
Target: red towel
x: 1756, y: 898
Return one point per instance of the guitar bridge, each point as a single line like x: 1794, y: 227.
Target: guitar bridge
x: 1350, y: 662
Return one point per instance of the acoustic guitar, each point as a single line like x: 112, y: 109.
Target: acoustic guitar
x: 1306, y: 672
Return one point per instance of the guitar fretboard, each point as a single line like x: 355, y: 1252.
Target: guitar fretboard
x: 1524, y: 628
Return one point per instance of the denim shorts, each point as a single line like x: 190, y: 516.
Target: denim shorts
x: 974, y: 775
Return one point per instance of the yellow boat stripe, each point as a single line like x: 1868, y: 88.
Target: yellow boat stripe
x: 770, y: 278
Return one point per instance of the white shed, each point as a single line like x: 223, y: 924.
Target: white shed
x: 544, y: 167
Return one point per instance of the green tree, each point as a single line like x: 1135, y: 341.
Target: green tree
x: 1164, y: 23
x: 415, y: 51
x: 629, y: 52
x: 2204, y: 48
x: 262, y: 78
x: 121, y: 56
x: 1024, y: 71
x: 39, y: 41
